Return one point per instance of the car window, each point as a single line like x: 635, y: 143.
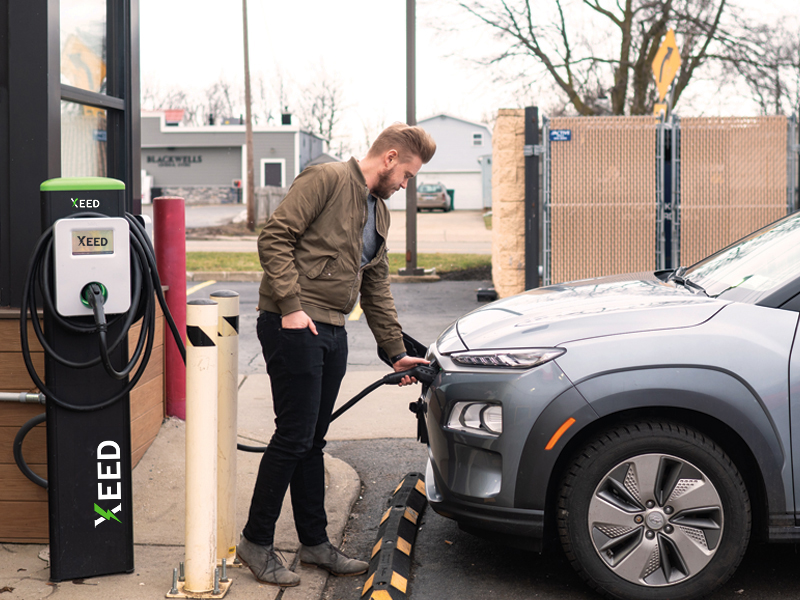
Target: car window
x: 755, y: 266
x: 428, y: 188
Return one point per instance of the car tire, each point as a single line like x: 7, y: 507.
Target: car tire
x: 653, y: 511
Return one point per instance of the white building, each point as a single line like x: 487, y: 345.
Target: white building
x: 463, y: 153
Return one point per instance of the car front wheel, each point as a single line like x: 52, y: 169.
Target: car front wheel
x: 653, y: 511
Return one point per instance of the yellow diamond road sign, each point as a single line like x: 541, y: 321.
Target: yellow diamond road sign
x: 666, y: 64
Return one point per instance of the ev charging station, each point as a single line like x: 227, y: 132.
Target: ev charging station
x: 88, y: 427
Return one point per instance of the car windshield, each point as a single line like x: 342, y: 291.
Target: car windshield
x: 428, y: 188
x: 754, y: 266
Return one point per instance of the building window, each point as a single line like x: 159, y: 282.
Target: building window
x: 83, y: 44
x: 83, y: 141
x: 273, y: 172
x: 477, y: 139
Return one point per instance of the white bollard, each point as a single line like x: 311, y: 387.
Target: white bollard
x: 201, y: 445
x: 228, y: 348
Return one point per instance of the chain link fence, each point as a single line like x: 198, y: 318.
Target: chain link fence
x: 629, y: 194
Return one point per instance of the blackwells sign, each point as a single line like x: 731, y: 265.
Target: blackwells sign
x: 171, y: 160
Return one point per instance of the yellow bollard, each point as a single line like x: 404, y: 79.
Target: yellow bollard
x: 228, y: 348
x: 201, y: 445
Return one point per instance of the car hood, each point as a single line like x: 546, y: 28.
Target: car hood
x: 557, y: 314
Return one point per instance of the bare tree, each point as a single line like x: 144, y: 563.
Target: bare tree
x: 221, y: 99
x: 617, y: 64
x: 767, y: 59
x: 371, y: 127
x: 322, y: 105
x: 156, y: 98
x: 262, y: 102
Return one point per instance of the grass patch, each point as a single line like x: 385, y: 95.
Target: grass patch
x: 248, y: 261
x: 443, y: 263
x: 222, y: 261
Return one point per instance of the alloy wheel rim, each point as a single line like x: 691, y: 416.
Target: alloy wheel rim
x: 655, y: 520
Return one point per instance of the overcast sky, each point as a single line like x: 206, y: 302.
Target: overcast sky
x: 361, y: 42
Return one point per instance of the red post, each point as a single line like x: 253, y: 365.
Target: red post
x: 169, y: 230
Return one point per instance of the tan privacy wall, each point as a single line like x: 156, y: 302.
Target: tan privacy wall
x: 603, y: 202
x: 733, y: 180
x: 508, y: 202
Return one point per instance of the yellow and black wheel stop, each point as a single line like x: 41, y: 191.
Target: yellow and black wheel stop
x: 390, y: 564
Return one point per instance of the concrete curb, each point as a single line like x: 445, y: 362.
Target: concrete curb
x: 256, y: 276
x: 224, y: 276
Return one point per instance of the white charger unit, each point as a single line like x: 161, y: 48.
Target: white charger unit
x: 92, y: 250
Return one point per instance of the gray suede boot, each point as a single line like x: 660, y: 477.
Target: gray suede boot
x: 327, y: 556
x: 265, y: 564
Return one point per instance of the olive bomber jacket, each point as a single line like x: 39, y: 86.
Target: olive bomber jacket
x: 310, y: 250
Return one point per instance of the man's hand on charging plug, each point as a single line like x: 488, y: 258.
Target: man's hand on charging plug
x: 298, y: 320
x: 406, y: 363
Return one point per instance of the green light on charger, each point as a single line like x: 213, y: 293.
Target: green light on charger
x: 85, y: 293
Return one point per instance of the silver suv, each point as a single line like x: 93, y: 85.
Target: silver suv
x: 644, y: 421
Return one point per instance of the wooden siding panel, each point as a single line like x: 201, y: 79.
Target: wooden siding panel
x: 13, y: 374
x: 14, y: 486
x: 146, y: 396
x: 23, y: 504
x: 34, y: 448
x: 9, y: 336
x: 143, y: 431
x: 24, y: 522
x: 16, y: 414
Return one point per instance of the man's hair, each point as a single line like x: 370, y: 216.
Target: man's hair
x: 406, y: 140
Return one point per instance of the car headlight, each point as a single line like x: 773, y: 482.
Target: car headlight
x: 476, y: 417
x: 522, y: 358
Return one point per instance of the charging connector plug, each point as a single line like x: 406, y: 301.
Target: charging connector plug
x: 94, y: 293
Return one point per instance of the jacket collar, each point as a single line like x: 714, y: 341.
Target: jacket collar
x: 355, y: 169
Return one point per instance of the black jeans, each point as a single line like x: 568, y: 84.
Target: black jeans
x: 305, y: 372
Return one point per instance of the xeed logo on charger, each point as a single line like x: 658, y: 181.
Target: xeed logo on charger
x: 108, y: 468
x: 106, y: 515
x: 85, y: 203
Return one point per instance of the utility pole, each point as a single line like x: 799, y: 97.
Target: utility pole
x: 411, y: 119
x: 250, y: 190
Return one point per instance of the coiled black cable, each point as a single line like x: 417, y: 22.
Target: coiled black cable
x: 144, y: 273
x: 19, y: 459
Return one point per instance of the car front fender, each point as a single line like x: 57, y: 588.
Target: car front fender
x: 710, y: 391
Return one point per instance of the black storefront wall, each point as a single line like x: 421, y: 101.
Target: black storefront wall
x: 32, y: 143
x: 30, y: 120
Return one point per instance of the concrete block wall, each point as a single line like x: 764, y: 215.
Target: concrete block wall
x: 202, y: 194
x: 508, y: 202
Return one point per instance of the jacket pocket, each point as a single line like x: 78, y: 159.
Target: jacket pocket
x: 319, y: 266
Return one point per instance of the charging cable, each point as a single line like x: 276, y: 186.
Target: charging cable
x: 145, y: 284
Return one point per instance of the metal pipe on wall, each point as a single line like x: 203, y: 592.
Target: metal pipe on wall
x: 228, y: 386
x: 29, y: 397
x: 201, y: 445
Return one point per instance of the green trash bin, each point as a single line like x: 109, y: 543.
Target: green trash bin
x: 452, y: 194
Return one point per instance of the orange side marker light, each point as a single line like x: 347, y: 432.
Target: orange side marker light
x: 557, y: 435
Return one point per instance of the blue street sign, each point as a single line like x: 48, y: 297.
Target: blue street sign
x: 560, y: 135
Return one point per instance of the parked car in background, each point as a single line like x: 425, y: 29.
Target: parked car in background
x: 645, y: 421
x: 433, y: 195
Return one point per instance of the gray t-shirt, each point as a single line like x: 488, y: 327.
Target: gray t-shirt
x: 370, y: 235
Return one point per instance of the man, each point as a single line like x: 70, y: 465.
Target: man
x: 323, y: 245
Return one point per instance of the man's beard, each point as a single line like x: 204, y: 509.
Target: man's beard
x: 383, y: 189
